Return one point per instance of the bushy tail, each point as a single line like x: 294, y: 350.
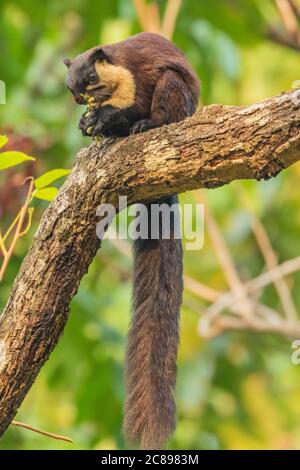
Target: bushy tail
x: 153, y: 339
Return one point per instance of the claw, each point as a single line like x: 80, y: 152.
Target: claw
x: 141, y: 126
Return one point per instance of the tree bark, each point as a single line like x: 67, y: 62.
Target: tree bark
x: 217, y: 145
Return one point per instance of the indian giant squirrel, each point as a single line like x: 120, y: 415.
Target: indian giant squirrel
x: 132, y: 86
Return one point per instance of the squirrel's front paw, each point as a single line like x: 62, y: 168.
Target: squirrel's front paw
x: 100, y: 121
x: 88, y: 121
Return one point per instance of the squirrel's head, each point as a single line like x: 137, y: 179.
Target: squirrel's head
x: 88, y: 76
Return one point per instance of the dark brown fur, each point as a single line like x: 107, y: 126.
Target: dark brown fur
x: 166, y: 90
x: 148, y: 56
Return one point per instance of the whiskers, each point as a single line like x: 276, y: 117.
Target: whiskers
x: 60, y: 84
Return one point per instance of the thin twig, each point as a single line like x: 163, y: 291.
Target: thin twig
x: 27, y: 228
x: 154, y: 18
x: 288, y: 18
x: 288, y: 35
x: 269, y: 255
x: 40, y: 431
x: 148, y: 15
x: 295, y: 8
x: 261, y: 281
x: 2, y: 246
x: 271, y: 261
x: 12, y: 225
x: 225, y: 323
x: 170, y: 18
x: 18, y: 230
x: 201, y: 290
x: 206, y: 327
x: 282, y: 38
x: 228, y: 300
x: 226, y: 260
x: 284, y: 269
x: 141, y: 11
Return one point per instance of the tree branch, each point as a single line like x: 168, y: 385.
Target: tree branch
x: 214, y: 147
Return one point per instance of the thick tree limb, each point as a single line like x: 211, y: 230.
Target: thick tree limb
x: 216, y: 146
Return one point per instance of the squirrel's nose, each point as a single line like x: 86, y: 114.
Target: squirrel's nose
x: 79, y: 99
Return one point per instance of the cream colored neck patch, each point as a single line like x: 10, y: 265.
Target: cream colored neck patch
x: 119, y: 81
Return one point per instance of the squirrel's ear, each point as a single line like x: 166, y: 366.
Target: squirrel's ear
x: 99, y: 54
x: 67, y: 62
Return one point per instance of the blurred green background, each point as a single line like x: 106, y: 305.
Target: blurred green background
x: 239, y: 390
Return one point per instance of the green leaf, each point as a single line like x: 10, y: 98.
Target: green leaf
x: 46, y: 194
x: 50, y: 177
x: 13, y: 158
x: 3, y: 140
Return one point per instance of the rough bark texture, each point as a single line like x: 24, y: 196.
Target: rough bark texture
x: 214, y: 147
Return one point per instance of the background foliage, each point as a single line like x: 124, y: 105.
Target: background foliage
x: 239, y: 390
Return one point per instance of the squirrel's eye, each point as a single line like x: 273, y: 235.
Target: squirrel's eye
x: 92, y: 77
